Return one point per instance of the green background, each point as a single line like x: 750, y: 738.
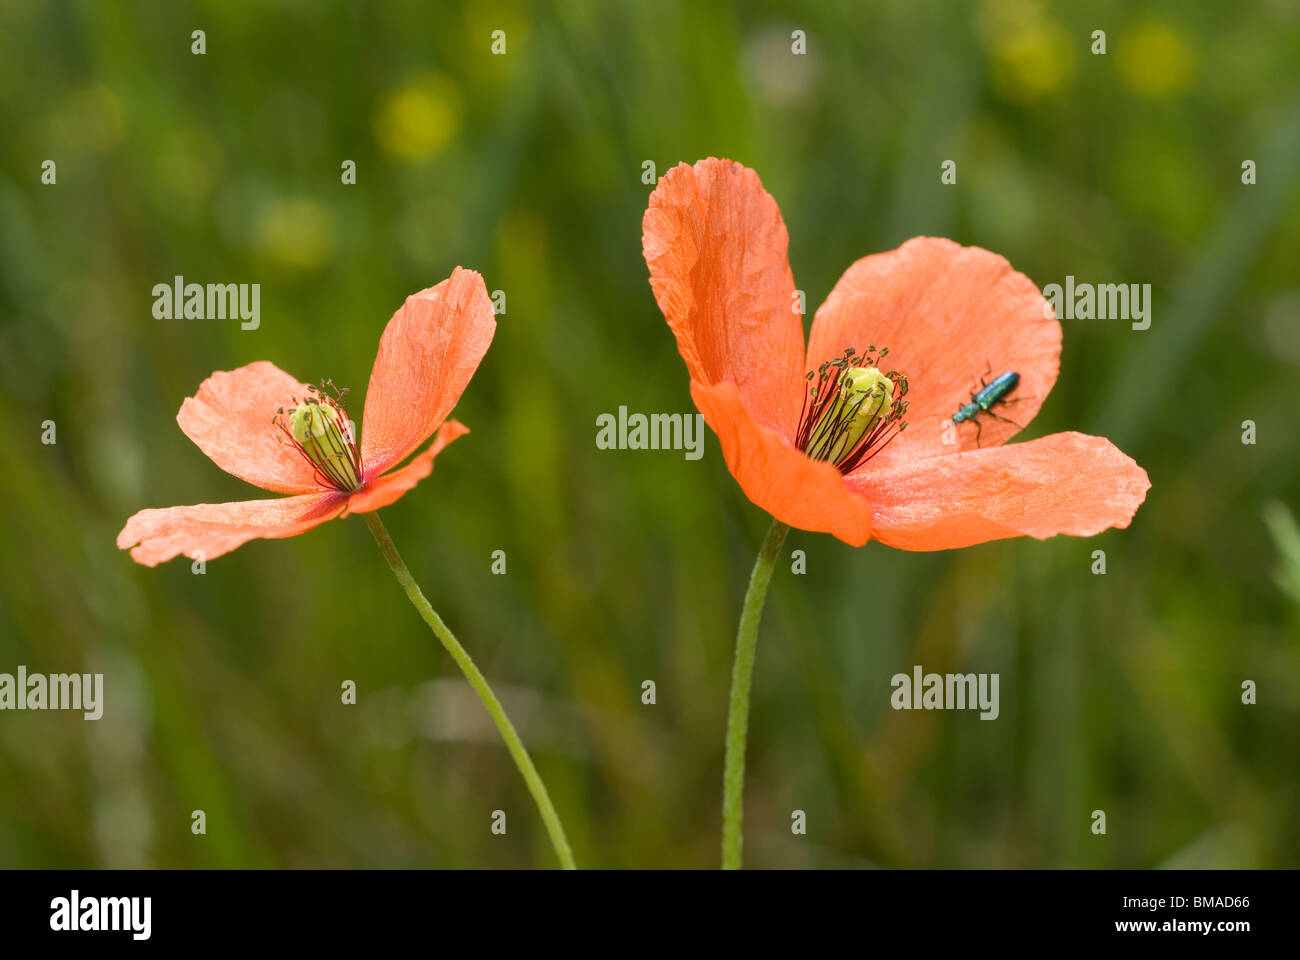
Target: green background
x: 1119, y: 692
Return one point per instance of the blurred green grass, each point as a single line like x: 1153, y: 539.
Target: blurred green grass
x: 1119, y: 692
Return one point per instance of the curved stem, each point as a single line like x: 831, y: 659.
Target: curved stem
x: 476, y: 680
x: 742, y: 676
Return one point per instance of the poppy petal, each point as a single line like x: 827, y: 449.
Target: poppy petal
x: 382, y: 491
x: 429, y: 350
x: 946, y: 312
x: 207, y: 530
x: 716, y: 247
x: 806, y: 494
x: 230, y: 419
x: 1063, y: 483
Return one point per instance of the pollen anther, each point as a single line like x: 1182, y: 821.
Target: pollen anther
x: 851, y: 410
x: 319, y: 428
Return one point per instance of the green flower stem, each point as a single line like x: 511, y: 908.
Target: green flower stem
x: 476, y: 680
x: 742, y: 676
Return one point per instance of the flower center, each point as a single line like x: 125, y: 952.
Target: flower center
x: 318, y: 427
x: 851, y: 410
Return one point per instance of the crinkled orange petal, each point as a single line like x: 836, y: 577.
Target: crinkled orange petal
x: 429, y: 350
x: 1063, y: 483
x: 807, y: 494
x: 946, y: 313
x: 384, y: 490
x: 207, y: 530
x: 230, y: 420
x: 716, y: 247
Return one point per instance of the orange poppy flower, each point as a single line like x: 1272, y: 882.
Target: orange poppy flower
x: 266, y: 427
x: 840, y: 462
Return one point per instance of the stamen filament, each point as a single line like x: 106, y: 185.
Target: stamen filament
x: 851, y: 410
x: 318, y: 427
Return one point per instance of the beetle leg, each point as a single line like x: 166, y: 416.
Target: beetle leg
x: 1005, y: 419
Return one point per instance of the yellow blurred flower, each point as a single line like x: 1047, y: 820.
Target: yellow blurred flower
x: 1032, y: 61
x: 296, y: 233
x: 995, y: 18
x: 1154, y: 61
x: 418, y: 119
